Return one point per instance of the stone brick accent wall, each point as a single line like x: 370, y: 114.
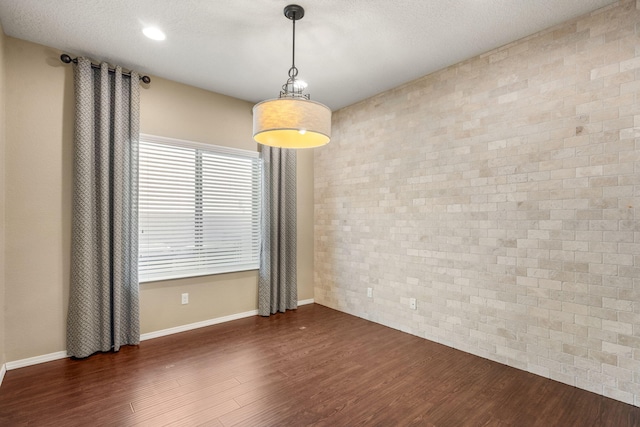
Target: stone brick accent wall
x: 503, y: 193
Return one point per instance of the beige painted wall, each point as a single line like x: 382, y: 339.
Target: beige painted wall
x: 38, y: 197
x: 174, y: 110
x: 503, y: 194
x: 2, y: 198
x: 39, y: 135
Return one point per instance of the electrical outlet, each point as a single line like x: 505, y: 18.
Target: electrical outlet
x: 185, y: 298
x: 370, y: 292
x: 413, y: 304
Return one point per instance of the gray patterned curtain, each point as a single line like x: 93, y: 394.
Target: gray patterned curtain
x: 103, y: 300
x: 277, y: 284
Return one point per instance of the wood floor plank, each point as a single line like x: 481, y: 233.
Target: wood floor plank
x: 310, y: 367
x: 176, y: 398
x: 192, y: 414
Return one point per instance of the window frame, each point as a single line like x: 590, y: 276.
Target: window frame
x: 256, y: 186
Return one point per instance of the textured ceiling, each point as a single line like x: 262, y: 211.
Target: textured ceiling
x: 347, y: 50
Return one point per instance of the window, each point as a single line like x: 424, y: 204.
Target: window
x: 199, y: 209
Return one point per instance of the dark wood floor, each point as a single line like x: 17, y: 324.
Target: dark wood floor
x: 313, y: 366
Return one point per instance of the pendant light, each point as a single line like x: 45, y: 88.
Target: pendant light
x: 292, y: 120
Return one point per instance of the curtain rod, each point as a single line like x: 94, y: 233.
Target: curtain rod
x: 68, y: 60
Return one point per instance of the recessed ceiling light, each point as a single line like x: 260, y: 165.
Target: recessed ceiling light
x: 154, y: 33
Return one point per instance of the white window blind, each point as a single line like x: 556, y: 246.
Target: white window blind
x: 199, y: 209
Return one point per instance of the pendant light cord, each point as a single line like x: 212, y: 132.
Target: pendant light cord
x: 293, y: 71
x: 293, y: 88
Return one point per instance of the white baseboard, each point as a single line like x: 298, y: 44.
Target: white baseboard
x: 36, y: 360
x: 150, y: 335
x: 190, y: 326
x: 217, y: 320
